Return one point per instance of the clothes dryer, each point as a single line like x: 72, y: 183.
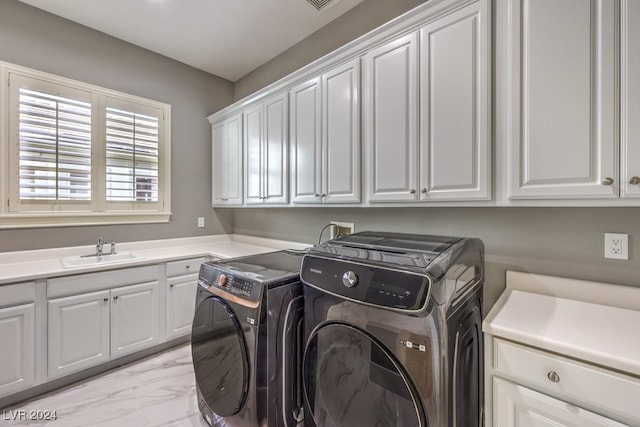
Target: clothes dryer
x: 246, y: 341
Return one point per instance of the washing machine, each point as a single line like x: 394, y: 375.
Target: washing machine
x: 393, y: 331
x: 246, y: 341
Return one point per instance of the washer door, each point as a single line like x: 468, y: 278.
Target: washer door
x: 220, y: 358
x: 351, y: 379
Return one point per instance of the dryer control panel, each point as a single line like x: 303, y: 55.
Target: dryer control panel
x: 221, y: 279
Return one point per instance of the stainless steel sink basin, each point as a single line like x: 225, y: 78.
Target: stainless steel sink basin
x: 93, y: 260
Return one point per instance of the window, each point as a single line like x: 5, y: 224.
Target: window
x: 77, y: 154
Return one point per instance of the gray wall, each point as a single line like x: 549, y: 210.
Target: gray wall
x: 557, y: 241
x: 35, y: 39
x: 359, y: 20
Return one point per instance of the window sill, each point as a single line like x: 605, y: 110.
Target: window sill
x: 73, y: 219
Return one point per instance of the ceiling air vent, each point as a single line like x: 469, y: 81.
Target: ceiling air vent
x: 320, y: 4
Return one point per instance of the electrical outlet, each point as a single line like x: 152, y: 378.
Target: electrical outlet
x: 341, y: 229
x: 616, y: 246
x: 200, y: 222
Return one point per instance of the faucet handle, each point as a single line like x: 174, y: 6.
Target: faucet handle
x: 113, y: 247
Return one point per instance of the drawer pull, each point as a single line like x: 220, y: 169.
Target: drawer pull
x: 553, y: 376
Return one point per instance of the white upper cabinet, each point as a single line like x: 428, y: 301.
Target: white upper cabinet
x: 325, y: 137
x: 266, y: 155
x: 305, y: 142
x: 441, y: 150
x: 562, y: 99
x: 227, y: 162
x: 455, y: 110
x: 630, y: 87
x: 390, y: 105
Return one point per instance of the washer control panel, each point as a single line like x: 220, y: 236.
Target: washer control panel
x: 367, y: 283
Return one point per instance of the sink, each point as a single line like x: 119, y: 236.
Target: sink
x: 93, y: 260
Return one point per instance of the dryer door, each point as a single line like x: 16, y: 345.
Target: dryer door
x: 220, y: 357
x: 352, y: 379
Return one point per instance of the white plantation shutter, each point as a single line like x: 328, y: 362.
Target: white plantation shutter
x: 80, y: 154
x: 132, y: 156
x: 54, y: 147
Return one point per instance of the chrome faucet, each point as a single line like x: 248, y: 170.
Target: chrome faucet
x: 99, y: 246
x: 113, y: 247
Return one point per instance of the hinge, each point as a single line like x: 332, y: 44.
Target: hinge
x: 8, y: 203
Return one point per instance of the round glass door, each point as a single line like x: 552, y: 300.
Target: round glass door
x: 351, y: 379
x: 219, y: 356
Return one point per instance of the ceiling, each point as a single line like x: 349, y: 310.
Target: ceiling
x: 228, y: 38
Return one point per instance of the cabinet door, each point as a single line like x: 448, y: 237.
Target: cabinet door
x: 305, y: 142
x: 227, y: 162
x: 341, y: 134
x: 562, y: 99
x: 181, y: 303
x: 78, y: 332
x: 390, y: 120
x: 518, y: 406
x: 455, y: 108
x: 630, y: 89
x: 253, y: 155
x: 17, y: 356
x: 275, y: 153
x: 134, y: 318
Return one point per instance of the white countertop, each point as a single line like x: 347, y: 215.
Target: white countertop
x: 590, y: 321
x: 22, y: 266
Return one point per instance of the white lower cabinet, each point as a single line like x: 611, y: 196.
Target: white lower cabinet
x: 518, y: 406
x: 17, y: 355
x: 86, y: 329
x: 78, y: 332
x: 182, y: 282
x: 181, y: 300
x: 558, y: 352
x: 134, y: 318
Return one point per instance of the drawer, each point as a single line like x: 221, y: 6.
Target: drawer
x: 84, y: 283
x: 588, y: 386
x: 17, y: 293
x: 185, y: 266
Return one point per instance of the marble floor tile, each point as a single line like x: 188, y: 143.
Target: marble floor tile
x: 157, y: 391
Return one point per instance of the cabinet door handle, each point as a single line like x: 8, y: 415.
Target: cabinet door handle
x: 412, y: 191
x: 553, y: 376
x: 115, y: 298
x: 171, y: 285
x: 424, y: 190
x: 105, y: 299
x: 607, y: 181
x: 634, y: 180
x: 316, y: 194
x: 323, y: 195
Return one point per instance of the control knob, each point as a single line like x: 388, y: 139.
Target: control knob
x: 349, y: 279
x: 222, y: 280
